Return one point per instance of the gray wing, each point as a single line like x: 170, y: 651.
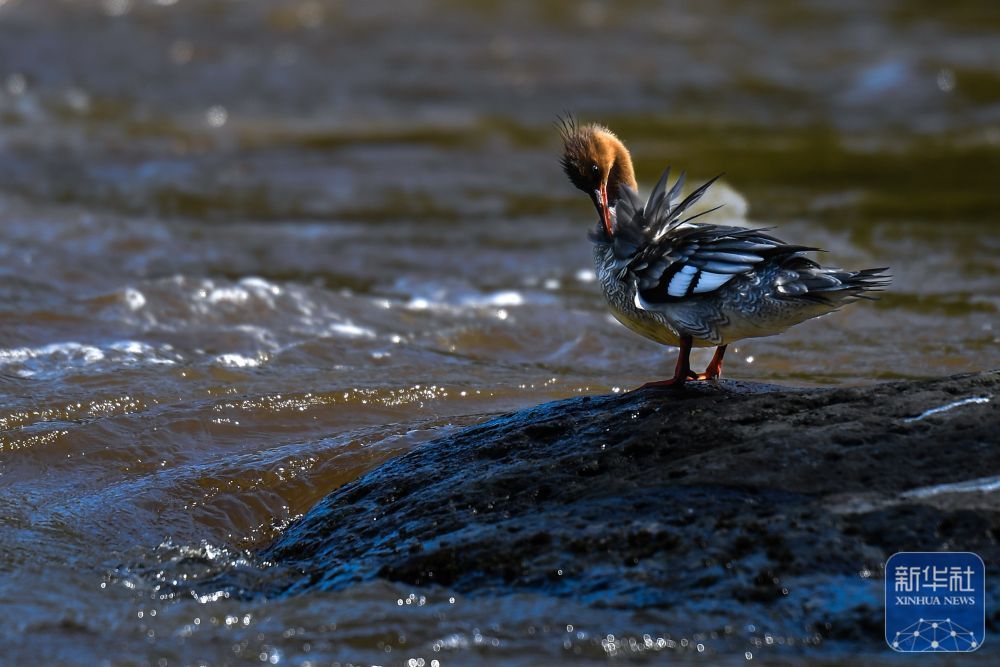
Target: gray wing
x: 669, y: 257
x: 700, y: 259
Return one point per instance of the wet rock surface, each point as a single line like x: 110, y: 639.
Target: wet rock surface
x: 730, y: 504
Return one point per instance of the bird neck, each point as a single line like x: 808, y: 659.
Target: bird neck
x: 621, y: 172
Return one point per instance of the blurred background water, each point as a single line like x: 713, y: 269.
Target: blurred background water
x: 250, y: 249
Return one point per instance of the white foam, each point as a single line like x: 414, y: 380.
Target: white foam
x: 69, y: 355
x: 260, y: 285
x: 233, y: 360
x: 441, y: 302
x: 140, y: 350
x: 134, y: 298
x: 507, y: 298
x: 88, y: 354
x: 236, y: 295
x: 352, y: 330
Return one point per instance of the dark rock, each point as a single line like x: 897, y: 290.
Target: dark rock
x: 736, y: 502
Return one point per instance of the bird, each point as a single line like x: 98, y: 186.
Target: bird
x: 687, y: 283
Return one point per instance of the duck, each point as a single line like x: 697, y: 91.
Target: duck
x: 683, y: 282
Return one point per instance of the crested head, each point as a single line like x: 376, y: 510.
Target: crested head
x: 597, y: 162
x: 592, y: 155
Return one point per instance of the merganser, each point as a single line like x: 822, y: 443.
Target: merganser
x: 690, y: 284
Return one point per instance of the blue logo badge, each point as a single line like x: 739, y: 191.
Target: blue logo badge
x: 935, y: 601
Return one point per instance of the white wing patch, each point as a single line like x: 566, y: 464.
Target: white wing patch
x: 704, y: 281
x: 682, y: 279
x: 708, y: 281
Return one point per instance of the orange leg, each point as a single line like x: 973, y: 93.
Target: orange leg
x: 681, y: 371
x: 714, y: 370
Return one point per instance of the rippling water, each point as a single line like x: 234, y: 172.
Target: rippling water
x: 250, y: 250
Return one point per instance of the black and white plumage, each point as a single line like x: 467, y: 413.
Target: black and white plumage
x: 712, y: 283
x: 678, y: 281
x: 673, y: 258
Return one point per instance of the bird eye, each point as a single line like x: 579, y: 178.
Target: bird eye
x: 594, y: 168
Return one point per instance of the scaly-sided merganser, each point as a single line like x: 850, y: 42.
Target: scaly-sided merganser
x: 691, y: 284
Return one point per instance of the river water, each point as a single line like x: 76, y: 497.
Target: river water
x: 250, y: 249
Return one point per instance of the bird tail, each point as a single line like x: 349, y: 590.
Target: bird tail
x: 803, y: 278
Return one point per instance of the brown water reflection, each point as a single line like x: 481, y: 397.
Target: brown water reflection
x: 249, y: 250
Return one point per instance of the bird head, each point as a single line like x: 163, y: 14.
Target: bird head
x: 598, y: 163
